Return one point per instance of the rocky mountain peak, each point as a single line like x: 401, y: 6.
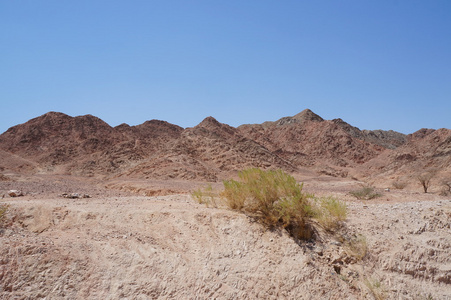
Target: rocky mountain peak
x: 304, y: 116
x: 209, y: 122
x: 308, y: 115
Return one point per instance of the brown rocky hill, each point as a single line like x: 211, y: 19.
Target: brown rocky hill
x: 56, y: 143
x: 426, y: 151
x: 84, y: 145
x: 56, y: 139
x: 209, y: 151
x: 388, y: 139
x: 332, y: 147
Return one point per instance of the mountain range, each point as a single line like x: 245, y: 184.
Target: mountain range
x: 56, y: 143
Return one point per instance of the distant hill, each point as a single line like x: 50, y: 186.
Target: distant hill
x: 85, y: 145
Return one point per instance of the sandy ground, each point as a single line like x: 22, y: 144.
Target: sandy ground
x: 116, y: 245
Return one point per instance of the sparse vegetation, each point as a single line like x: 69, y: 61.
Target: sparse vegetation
x: 356, y: 246
x: 365, y: 193
x: 3, y: 211
x: 206, y: 196
x: 376, y: 288
x: 425, y: 179
x: 330, y: 212
x: 399, y: 185
x: 274, y: 198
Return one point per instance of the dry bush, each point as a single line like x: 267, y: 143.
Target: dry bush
x: 356, y: 247
x: 3, y: 211
x: 425, y: 179
x: 399, y: 185
x: 206, y: 196
x: 365, y: 193
x: 274, y: 198
x: 329, y: 212
x: 233, y: 194
x: 376, y: 288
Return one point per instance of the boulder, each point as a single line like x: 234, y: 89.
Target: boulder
x: 15, y: 193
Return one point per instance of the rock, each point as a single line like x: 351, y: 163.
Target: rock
x: 15, y: 193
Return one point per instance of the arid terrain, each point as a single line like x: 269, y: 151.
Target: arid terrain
x: 141, y: 235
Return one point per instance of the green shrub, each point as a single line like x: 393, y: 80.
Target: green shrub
x: 365, y: 193
x: 234, y: 194
x: 330, y: 212
x: 273, y: 197
x: 206, y: 196
x: 276, y: 199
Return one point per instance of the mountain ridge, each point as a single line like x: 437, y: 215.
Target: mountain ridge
x: 88, y: 146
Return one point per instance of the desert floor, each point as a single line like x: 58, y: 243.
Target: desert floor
x: 149, y: 240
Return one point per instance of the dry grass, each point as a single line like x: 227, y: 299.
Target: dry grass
x: 399, y: 185
x: 206, y: 196
x: 376, y: 288
x: 3, y: 212
x: 356, y: 247
x: 330, y: 212
x: 365, y: 193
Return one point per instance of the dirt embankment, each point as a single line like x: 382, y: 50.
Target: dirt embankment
x: 170, y: 247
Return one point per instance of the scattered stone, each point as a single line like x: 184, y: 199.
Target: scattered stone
x: 15, y: 193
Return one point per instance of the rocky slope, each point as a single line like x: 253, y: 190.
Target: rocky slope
x: 207, y: 151
x: 308, y: 140
x: 56, y: 143
x: 85, y: 145
x: 426, y: 151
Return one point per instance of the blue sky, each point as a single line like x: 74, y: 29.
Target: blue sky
x: 375, y: 64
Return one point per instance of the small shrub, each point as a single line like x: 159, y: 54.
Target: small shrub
x: 234, y: 194
x: 274, y: 198
x: 365, y: 193
x: 425, y: 179
x: 330, y: 212
x: 376, y: 288
x: 356, y: 247
x: 206, y: 196
x: 399, y: 185
x: 3, y: 211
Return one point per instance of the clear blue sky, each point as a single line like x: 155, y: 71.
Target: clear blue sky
x: 375, y: 64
